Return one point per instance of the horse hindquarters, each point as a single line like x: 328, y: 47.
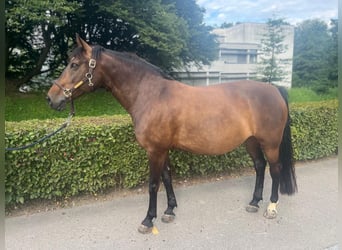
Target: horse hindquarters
x: 281, y: 164
x: 275, y: 141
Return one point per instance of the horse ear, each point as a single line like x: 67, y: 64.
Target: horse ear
x: 81, y: 43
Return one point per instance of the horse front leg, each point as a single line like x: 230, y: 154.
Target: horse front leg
x: 156, y: 164
x: 168, y: 215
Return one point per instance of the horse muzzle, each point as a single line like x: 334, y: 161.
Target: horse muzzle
x: 58, y: 104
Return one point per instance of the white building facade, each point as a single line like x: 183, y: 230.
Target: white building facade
x: 239, y: 52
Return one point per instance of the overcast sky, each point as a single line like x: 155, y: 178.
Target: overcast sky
x: 294, y: 11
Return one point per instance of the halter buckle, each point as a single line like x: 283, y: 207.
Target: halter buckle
x: 67, y: 93
x: 92, y: 63
x: 89, y: 76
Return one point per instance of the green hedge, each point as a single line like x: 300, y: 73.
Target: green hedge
x: 97, y: 153
x: 314, y: 129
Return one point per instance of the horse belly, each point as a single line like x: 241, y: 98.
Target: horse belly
x: 212, y: 140
x: 210, y: 148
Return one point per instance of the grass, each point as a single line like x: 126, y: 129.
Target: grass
x: 308, y: 95
x: 20, y: 107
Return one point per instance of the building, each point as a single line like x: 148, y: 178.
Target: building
x: 239, y: 50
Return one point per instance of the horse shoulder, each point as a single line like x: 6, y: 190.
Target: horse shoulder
x: 154, y: 122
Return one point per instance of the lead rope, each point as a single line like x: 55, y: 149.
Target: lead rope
x: 63, y: 126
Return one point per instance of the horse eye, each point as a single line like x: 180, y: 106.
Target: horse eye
x: 74, y: 65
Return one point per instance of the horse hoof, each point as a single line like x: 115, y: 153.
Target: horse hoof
x: 270, y: 214
x: 271, y: 211
x: 252, y: 209
x: 144, y: 229
x: 167, y: 218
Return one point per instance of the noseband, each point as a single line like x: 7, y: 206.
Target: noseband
x: 87, y: 78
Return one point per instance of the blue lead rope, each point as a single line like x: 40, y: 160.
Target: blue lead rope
x: 63, y: 126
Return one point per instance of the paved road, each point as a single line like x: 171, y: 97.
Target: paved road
x: 209, y: 216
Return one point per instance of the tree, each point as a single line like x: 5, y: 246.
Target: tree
x: 202, y: 46
x: 170, y: 33
x: 271, y: 66
x: 315, y: 55
x: 333, y: 51
x: 30, y: 30
x: 160, y: 31
x: 160, y: 34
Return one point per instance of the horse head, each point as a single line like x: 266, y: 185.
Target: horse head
x: 77, y: 78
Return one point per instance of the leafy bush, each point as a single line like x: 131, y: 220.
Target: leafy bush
x: 314, y: 129
x: 96, y: 153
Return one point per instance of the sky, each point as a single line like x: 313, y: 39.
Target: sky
x: 259, y: 11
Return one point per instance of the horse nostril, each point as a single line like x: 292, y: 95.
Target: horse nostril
x: 48, y: 99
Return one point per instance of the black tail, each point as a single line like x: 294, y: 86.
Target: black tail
x: 288, y: 184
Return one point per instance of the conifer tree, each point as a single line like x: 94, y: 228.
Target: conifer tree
x: 271, y: 64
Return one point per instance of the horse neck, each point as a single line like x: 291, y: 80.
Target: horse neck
x: 128, y: 83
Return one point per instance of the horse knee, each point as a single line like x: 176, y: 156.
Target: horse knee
x: 260, y: 165
x: 154, y: 186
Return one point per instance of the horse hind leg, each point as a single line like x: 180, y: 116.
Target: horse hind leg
x: 254, y: 149
x: 282, y: 172
x: 275, y: 171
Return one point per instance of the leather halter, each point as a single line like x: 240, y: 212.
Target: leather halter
x: 87, y: 78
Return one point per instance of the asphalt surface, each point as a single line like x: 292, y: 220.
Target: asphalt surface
x: 209, y: 216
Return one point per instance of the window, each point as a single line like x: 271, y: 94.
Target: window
x: 252, y: 59
x: 234, y: 56
x: 234, y: 59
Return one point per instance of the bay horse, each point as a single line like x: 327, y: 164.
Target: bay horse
x: 168, y: 114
